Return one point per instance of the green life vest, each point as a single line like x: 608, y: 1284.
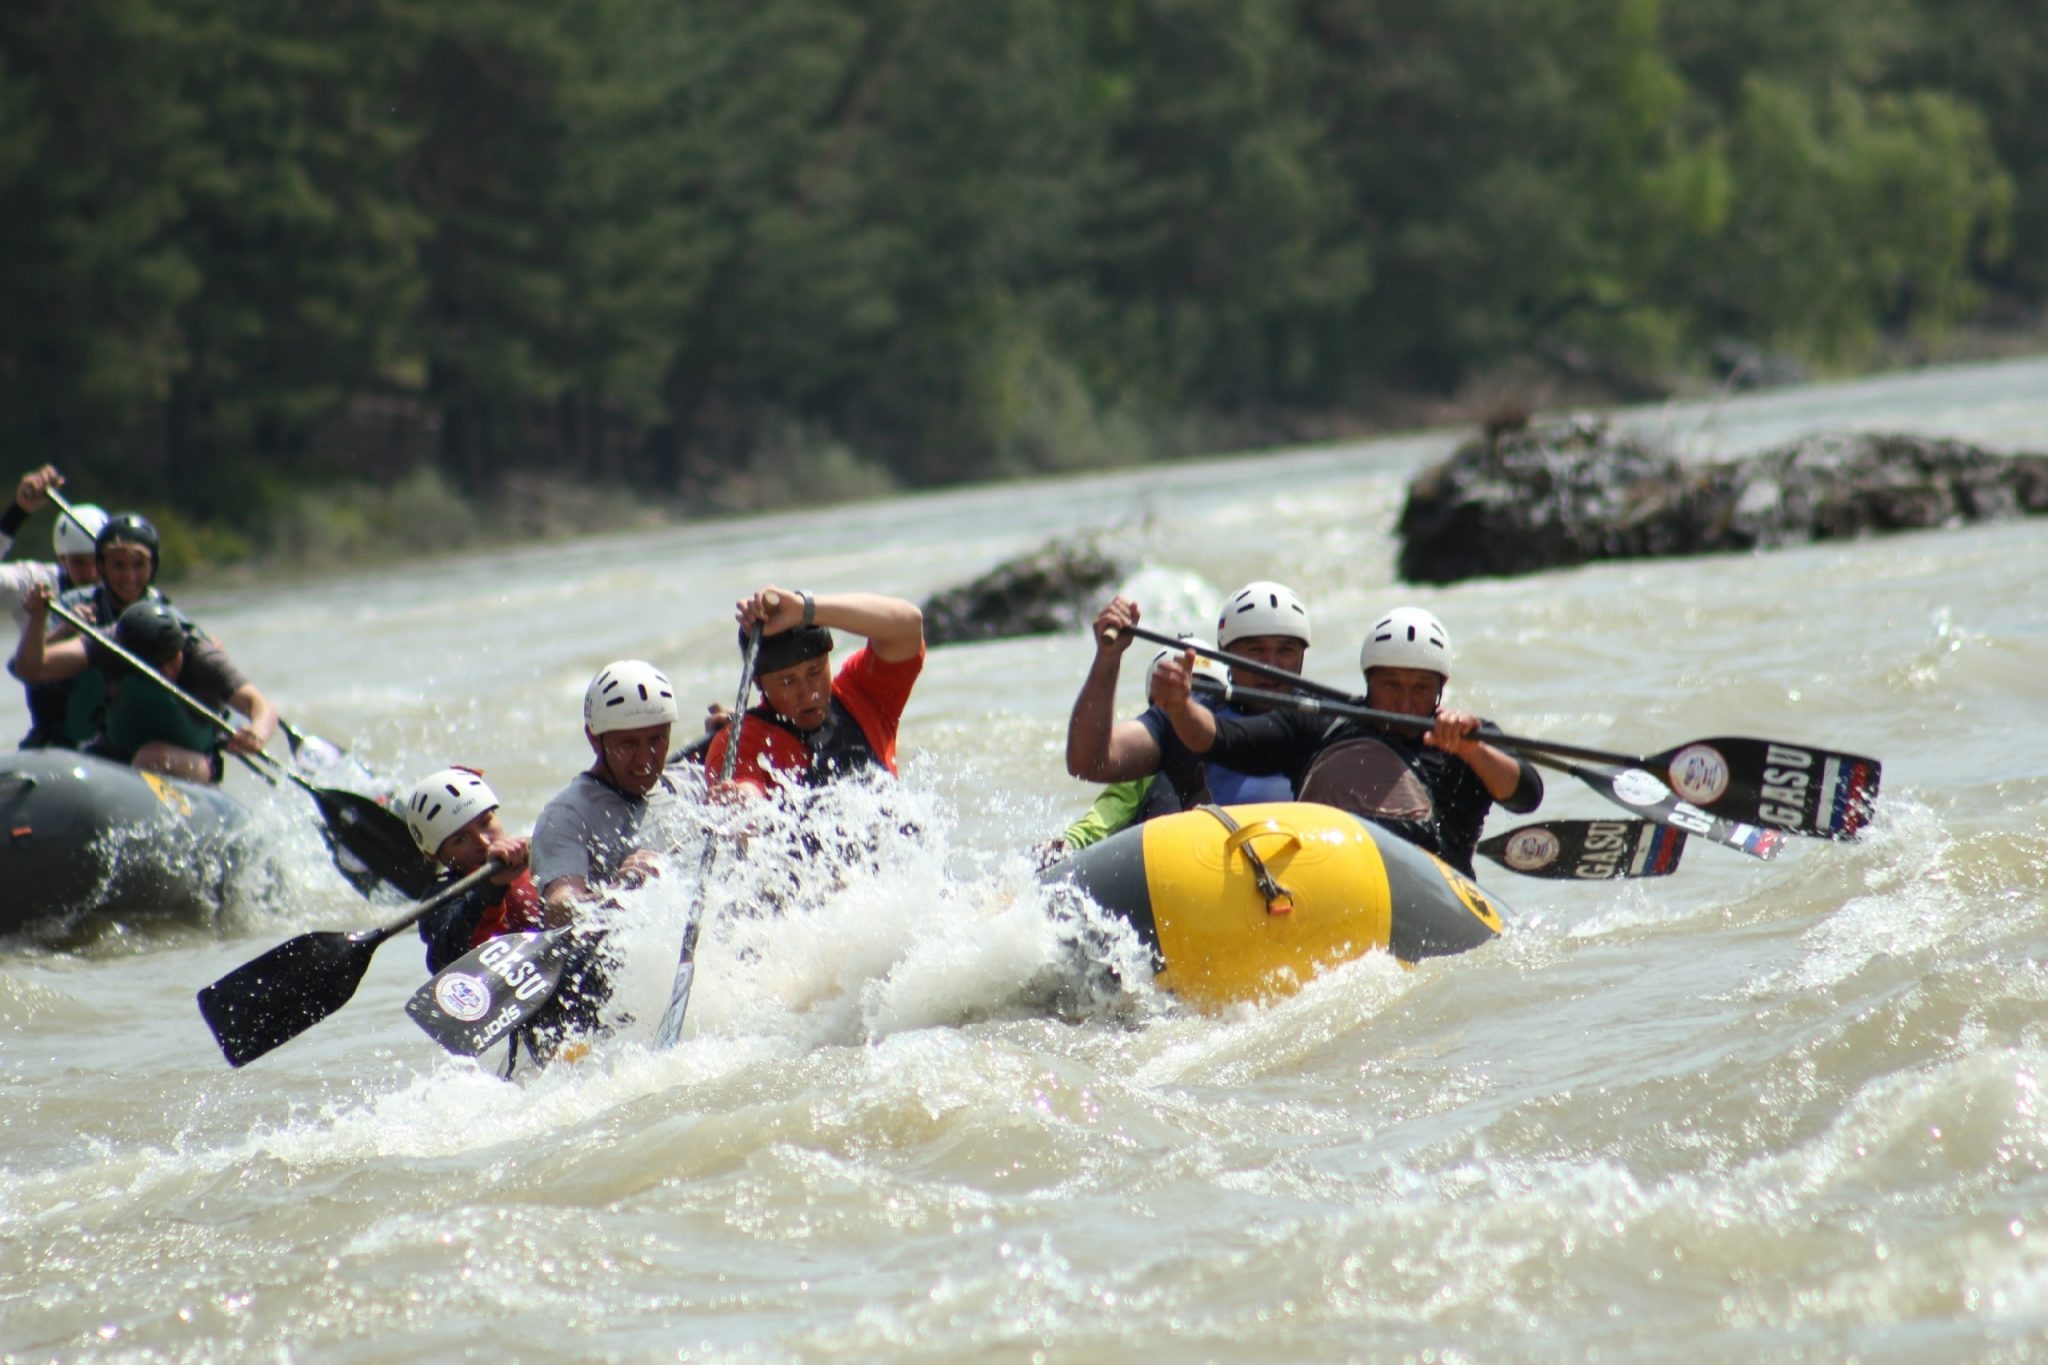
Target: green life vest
x: 144, y: 711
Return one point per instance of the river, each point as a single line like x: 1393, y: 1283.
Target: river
x: 1784, y: 1111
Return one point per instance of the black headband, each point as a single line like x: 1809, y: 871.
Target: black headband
x: 789, y: 648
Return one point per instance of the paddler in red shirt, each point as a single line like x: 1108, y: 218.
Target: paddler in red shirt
x: 814, y: 725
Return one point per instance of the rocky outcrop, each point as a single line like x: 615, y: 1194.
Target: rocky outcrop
x: 1055, y: 588
x: 1547, y: 497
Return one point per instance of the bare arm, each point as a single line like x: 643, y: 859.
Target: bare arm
x: 1173, y: 687
x: 1098, y: 749
x: 35, y: 658
x: 893, y: 627
x: 251, y: 738
x: 1500, y: 773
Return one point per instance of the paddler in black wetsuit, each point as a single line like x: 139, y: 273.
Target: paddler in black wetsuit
x: 1407, y: 663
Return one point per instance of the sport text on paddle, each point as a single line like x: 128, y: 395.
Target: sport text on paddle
x: 686, y: 966
x: 1588, y: 850
x: 1765, y: 782
x: 484, y: 995
x: 356, y: 824
x: 270, y: 1000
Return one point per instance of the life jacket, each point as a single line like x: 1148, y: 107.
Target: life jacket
x: 141, y: 711
x: 516, y: 910
x: 78, y: 706
x: 838, y: 748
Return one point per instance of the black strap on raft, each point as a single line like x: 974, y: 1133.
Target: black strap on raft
x: 1279, y: 900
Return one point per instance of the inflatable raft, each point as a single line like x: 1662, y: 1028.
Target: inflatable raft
x: 1245, y: 903
x: 85, y: 835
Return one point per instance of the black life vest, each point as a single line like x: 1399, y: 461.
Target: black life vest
x: 838, y: 748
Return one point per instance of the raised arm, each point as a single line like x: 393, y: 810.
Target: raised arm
x: 1098, y: 748
x: 36, y: 659
x: 892, y: 626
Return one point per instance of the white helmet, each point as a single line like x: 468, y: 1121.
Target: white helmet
x: 1203, y: 664
x: 443, y: 803
x: 1407, y: 637
x: 1262, y: 608
x: 628, y: 694
x: 78, y: 531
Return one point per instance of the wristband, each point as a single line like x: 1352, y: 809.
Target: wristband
x: 810, y: 609
x: 11, y: 520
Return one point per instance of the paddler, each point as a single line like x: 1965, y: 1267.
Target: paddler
x: 76, y: 564
x: 68, y: 707
x: 1122, y: 804
x: 144, y: 724
x: 1263, y: 621
x: 603, y: 831
x: 453, y: 817
x: 813, y: 725
x: 1406, y: 659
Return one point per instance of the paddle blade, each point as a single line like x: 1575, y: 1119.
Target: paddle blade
x: 476, y: 1000
x: 1649, y: 797
x: 274, y: 998
x: 376, y: 838
x: 1588, y: 850
x: 1767, y: 782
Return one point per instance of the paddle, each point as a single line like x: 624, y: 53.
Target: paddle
x: 370, y: 833
x: 1588, y: 850
x: 1638, y: 791
x: 686, y: 966
x: 476, y: 1000
x: 1767, y: 782
x: 272, y: 999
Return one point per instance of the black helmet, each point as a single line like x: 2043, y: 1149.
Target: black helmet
x: 152, y: 631
x: 789, y: 648
x: 128, y: 528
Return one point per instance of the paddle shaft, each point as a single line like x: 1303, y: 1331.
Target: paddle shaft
x: 270, y: 1000
x: 65, y: 508
x: 460, y: 887
x: 686, y: 966
x: 122, y: 652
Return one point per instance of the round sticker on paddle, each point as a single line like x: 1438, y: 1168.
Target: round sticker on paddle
x: 463, y: 997
x: 1532, y: 849
x: 1699, y: 774
x: 1639, y: 788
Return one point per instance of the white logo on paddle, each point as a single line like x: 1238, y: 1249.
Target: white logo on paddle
x: 467, y: 998
x: 1699, y: 774
x: 1532, y: 849
x: 1639, y: 788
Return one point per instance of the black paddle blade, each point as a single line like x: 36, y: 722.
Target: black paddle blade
x: 1768, y: 782
x: 1588, y: 850
x: 1648, y: 796
x: 276, y: 997
x: 476, y: 1000
x: 376, y: 838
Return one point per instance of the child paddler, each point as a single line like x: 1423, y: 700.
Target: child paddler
x: 814, y: 725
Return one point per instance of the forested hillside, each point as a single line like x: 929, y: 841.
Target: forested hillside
x: 803, y: 247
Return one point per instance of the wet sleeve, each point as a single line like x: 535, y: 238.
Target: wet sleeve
x: 561, y: 846
x: 1528, y: 793
x: 1258, y: 746
x: 1115, y: 808
x: 448, y: 930
x: 210, y: 675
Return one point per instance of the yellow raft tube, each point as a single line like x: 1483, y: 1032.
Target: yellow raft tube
x: 1247, y: 903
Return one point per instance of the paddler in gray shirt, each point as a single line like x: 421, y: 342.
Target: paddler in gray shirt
x: 601, y: 832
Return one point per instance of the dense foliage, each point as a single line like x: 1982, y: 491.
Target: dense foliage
x: 696, y: 244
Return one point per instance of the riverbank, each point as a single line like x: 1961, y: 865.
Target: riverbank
x: 422, y: 514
